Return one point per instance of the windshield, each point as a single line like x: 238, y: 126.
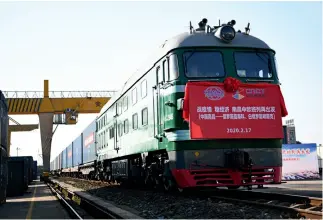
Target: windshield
x: 203, y: 64
x: 253, y: 64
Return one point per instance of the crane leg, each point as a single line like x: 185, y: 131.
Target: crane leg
x: 46, y: 134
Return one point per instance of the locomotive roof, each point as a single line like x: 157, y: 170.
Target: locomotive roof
x: 186, y: 40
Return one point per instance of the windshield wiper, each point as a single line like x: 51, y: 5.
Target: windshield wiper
x: 186, y: 58
x: 265, y: 61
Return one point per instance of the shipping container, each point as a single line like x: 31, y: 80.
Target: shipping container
x: 16, y: 177
x: 64, y: 157
x: 59, y: 162
x: 3, y: 174
x: 35, y: 170
x: 25, y: 168
x: 54, y: 164
x: 89, y: 148
x: 69, y: 155
x: 4, y: 121
x: 77, y: 151
x: 30, y: 168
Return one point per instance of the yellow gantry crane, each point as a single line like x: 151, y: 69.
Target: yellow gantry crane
x: 18, y: 128
x: 62, y: 107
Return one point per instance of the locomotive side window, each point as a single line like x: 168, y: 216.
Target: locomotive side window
x: 160, y: 75
x: 126, y: 126
x: 134, y: 96
x: 143, y: 88
x: 253, y: 65
x: 100, y: 141
x: 111, y: 132
x: 173, y: 67
x: 203, y: 64
x: 125, y: 103
x: 165, y: 68
x: 135, y: 121
x: 144, y: 116
x: 120, y: 129
x: 106, y: 138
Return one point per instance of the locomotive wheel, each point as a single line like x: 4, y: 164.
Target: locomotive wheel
x: 158, y: 183
x: 149, y: 181
x: 168, y: 184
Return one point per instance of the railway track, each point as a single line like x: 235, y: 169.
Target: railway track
x: 73, y: 213
x: 95, y: 210
x: 300, y: 206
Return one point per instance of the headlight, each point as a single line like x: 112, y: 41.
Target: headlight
x: 226, y: 33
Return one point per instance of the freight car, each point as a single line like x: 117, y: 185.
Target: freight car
x: 27, y: 170
x: 206, y: 111
x: 4, y: 122
x: 35, y: 170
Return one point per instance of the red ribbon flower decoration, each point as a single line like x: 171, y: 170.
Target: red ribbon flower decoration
x: 231, y: 84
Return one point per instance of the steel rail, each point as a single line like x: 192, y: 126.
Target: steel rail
x: 94, y: 210
x: 69, y: 208
x: 302, y: 206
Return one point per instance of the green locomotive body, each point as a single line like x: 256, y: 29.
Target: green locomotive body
x: 141, y: 134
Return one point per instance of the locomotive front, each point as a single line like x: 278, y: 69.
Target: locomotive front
x: 232, y: 108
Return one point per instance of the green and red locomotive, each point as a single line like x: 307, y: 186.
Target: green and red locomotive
x: 205, y: 112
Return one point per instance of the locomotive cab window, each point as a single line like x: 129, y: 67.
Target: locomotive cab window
x: 173, y: 67
x: 276, y: 67
x: 253, y: 65
x: 203, y: 64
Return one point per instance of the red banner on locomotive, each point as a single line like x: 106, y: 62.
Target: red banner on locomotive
x: 248, y: 111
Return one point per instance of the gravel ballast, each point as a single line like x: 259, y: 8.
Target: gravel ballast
x: 159, y: 205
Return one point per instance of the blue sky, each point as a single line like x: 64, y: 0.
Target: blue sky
x: 98, y: 45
